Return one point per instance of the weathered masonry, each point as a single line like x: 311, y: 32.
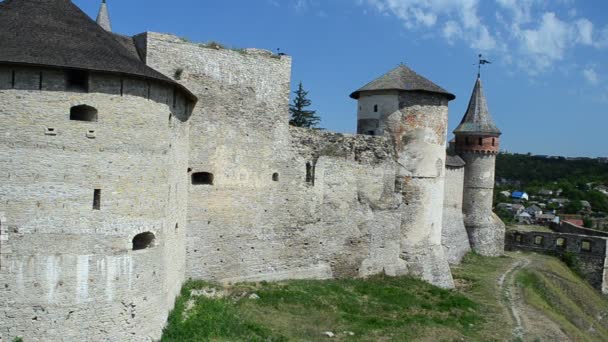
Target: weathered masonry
x: 589, y: 252
x: 130, y: 164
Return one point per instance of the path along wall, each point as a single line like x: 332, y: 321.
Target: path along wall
x: 588, y: 252
x: 282, y: 203
x: 75, y: 194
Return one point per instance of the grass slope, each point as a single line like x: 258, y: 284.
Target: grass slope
x: 552, y: 288
x: 389, y: 309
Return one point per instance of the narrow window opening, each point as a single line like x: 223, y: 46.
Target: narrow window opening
x: 466, y: 140
x: 50, y: 131
x: 202, y: 178
x: 275, y: 177
x: 375, y: 108
x: 143, y: 241
x: 480, y: 141
x: 560, y: 242
x: 493, y: 141
x: 310, y: 173
x: 538, y: 240
x: 176, y: 227
x: 83, y: 113
x: 122, y: 87
x: 77, y: 80
x: 97, y: 199
x: 586, y: 246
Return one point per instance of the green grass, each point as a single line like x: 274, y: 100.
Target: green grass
x: 550, y: 286
x: 392, y: 309
x: 383, y: 308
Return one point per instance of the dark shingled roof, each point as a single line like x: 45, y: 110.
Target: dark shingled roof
x: 57, y: 33
x: 477, y: 119
x: 454, y: 161
x: 403, y: 78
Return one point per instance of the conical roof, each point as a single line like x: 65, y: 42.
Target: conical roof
x: 477, y: 119
x: 402, y: 78
x: 103, y: 17
x: 57, y: 33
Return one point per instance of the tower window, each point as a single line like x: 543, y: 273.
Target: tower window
x: 480, y: 141
x: 97, y: 199
x: 83, y: 113
x: 77, y: 80
x: 375, y: 108
x: 560, y: 242
x: 493, y: 141
x: 538, y: 240
x: 310, y: 173
x: 466, y: 140
x: 143, y: 241
x: 275, y: 177
x: 202, y: 178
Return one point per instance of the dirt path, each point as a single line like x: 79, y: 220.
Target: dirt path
x: 530, y: 324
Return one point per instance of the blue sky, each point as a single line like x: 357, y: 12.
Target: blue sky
x: 547, y: 87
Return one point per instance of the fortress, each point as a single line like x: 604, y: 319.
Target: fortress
x: 131, y: 164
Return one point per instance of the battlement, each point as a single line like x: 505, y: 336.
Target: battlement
x: 361, y: 148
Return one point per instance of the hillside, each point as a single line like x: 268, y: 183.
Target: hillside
x: 517, y: 297
x: 531, y: 170
x: 574, y: 180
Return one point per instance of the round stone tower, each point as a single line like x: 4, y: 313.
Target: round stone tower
x: 413, y: 111
x: 94, y: 158
x: 477, y: 143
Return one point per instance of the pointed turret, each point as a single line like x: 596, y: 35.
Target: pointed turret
x: 477, y: 131
x: 103, y: 18
x: 477, y: 119
x: 477, y: 143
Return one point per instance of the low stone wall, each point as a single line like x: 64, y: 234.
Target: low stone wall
x: 569, y: 228
x: 588, y: 251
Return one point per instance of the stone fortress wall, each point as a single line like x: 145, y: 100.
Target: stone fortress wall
x: 485, y: 229
x: 284, y: 203
x: 454, y: 236
x: 68, y: 268
x: 230, y: 192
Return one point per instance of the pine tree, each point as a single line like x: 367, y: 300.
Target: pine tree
x: 299, y: 116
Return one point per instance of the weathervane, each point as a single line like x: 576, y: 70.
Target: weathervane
x: 481, y: 62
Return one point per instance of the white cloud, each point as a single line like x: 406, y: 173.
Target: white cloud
x: 459, y: 18
x: 549, y: 40
x: 452, y: 31
x: 527, y: 33
x: 521, y: 10
x: 301, y: 5
x: 591, y: 76
x: 585, y: 31
x: 601, y: 40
